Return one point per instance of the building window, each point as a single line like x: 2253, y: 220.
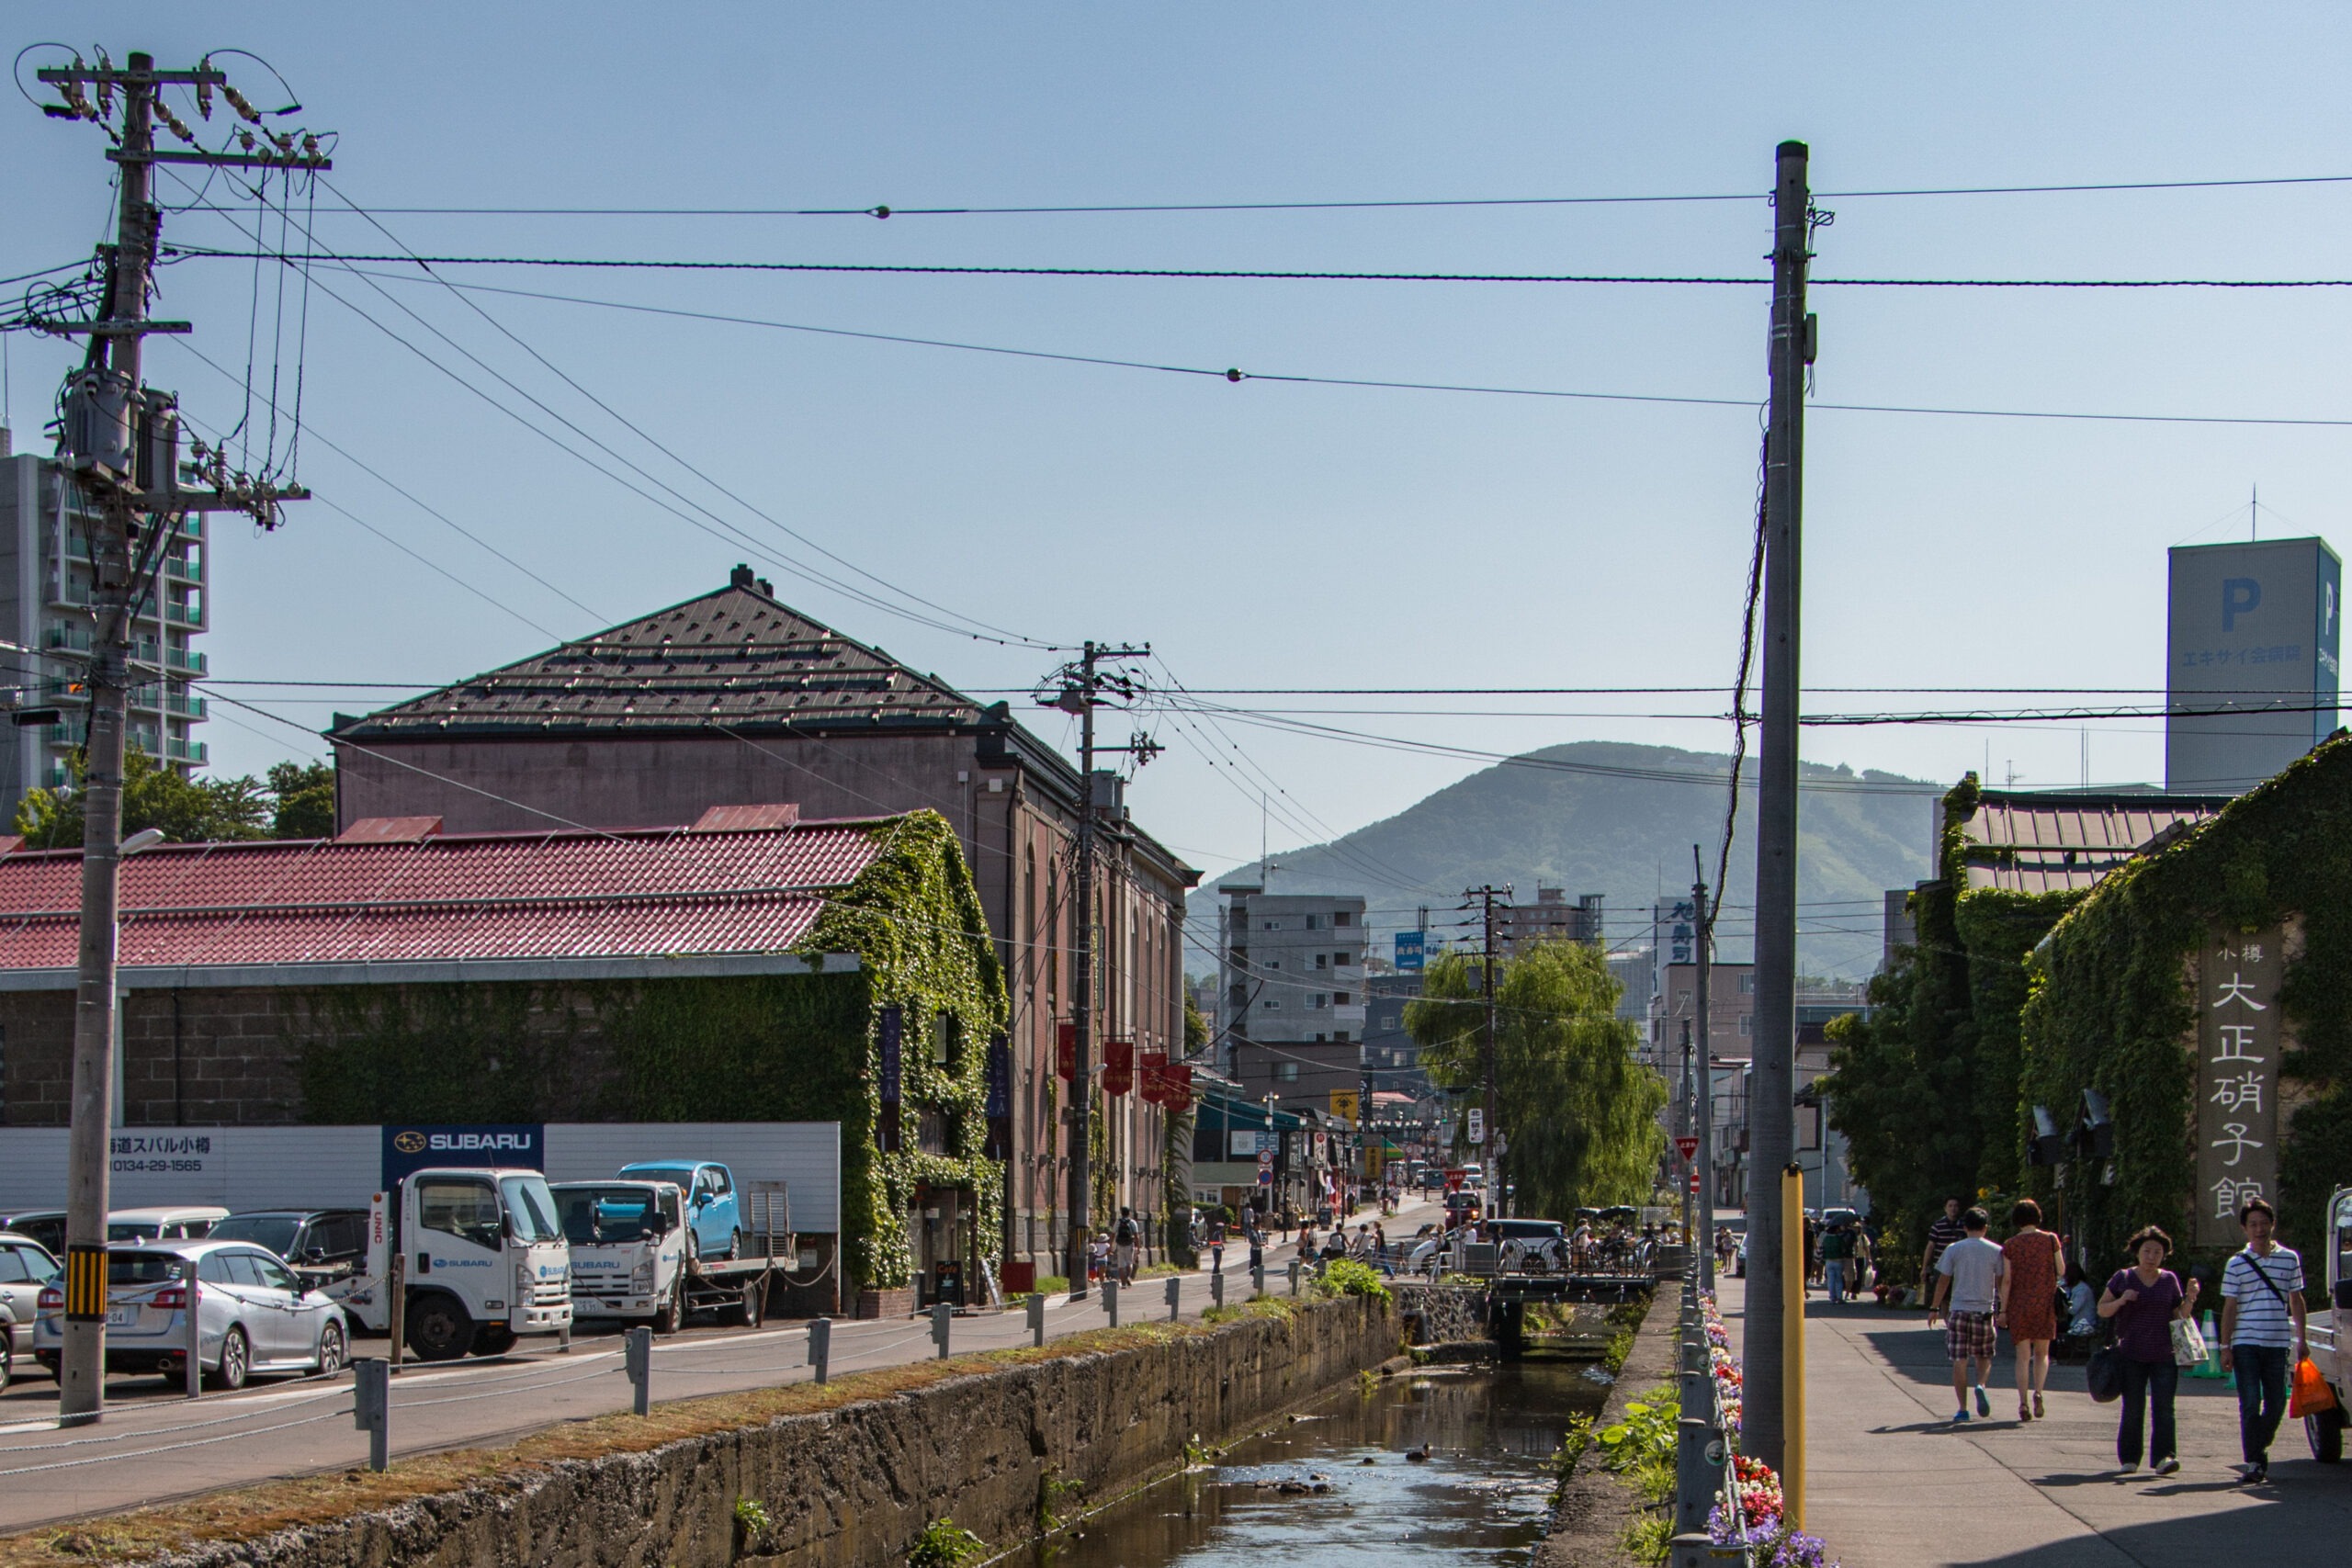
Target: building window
x: 1341, y: 1035
x: 1270, y: 1005
x: 1317, y: 999
x: 1319, y: 960
x: 1747, y: 985
x: 1747, y: 1023
x: 1273, y: 962
x: 1287, y: 1071
x: 1321, y: 1039
x: 1342, y: 917
x: 1344, y: 959
x: 1270, y: 925
x: 1315, y: 922
x: 1339, y: 999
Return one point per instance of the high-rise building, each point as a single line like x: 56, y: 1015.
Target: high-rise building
x: 45, y: 607
x: 1550, y: 918
x: 1293, y: 967
x: 2250, y: 653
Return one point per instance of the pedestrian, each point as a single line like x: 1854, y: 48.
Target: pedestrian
x: 1837, y: 1252
x: 1942, y: 1234
x: 2082, y: 1303
x: 1969, y: 1272
x: 1128, y: 1235
x: 1257, y: 1240
x: 1380, y: 1248
x: 2029, y: 1301
x: 2262, y: 1321
x: 1858, y: 1268
x: 1216, y: 1242
x: 2143, y: 1301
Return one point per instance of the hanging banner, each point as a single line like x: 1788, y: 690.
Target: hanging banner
x: 1065, y: 1052
x: 1118, y: 1065
x: 1154, y: 1075
x: 1000, y: 1098
x: 893, y: 1031
x: 2238, y: 1047
x: 1178, y: 1090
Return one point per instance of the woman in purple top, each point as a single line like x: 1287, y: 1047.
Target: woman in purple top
x: 2144, y: 1301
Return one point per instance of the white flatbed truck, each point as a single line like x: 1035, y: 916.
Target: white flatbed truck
x: 467, y: 1258
x: 631, y: 1260
x: 2331, y: 1334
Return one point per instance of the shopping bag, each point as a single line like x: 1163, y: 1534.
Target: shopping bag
x: 2188, y: 1343
x: 2312, y: 1395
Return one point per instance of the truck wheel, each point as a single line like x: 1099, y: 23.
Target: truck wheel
x: 673, y: 1316
x: 2325, y: 1432
x: 750, y: 1309
x: 492, y: 1339
x: 438, y: 1329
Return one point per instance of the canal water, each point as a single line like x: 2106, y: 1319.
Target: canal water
x: 1337, y: 1480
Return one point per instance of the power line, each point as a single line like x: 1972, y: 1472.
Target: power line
x: 640, y: 264
x: 882, y: 210
x: 1234, y: 374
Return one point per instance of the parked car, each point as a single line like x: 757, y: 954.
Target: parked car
x: 46, y: 1227
x: 321, y: 1245
x: 183, y: 1222
x: 25, y: 1267
x: 713, y: 1210
x: 252, y: 1315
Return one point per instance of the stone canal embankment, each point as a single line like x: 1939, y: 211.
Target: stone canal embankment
x: 995, y: 1449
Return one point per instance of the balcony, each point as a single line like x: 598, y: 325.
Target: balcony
x: 186, y: 660
x: 185, y: 706
x: 193, y: 752
x: 76, y: 640
x: 178, y: 570
x: 184, y: 614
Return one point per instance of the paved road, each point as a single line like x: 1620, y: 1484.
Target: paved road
x: 1895, y: 1483
x: 153, y: 1446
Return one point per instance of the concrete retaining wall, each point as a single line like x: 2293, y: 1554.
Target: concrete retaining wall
x: 855, y: 1486
x: 1438, y: 1315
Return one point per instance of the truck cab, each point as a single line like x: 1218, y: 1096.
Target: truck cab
x: 629, y: 1249
x: 483, y: 1261
x: 2331, y: 1334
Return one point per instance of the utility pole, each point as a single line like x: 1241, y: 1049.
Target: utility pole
x: 1772, y: 1108
x: 1080, y: 688
x: 1489, y: 1151
x: 1686, y: 1116
x: 1705, y: 927
x: 120, y: 443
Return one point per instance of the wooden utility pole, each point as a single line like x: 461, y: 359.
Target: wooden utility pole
x: 121, y: 445
x: 1490, y: 1149
x: 1772, y: 1114
x: 1705, y: 1163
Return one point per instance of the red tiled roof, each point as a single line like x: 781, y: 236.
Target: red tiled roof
x: 658, y: 892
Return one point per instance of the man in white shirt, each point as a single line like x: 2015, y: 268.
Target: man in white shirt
x: 1969, y: 1272
x: 2262, y: 1322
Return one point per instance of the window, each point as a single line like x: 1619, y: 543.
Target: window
x: 1344, y: 959
x: 12, y: 1268
x: 455, y: 1207
x: 1322, y: 1039
x: 1270, y: 925
x: 245, y: 1269
x: 273, y: 1273
x: 212, y: 1269
x: 1343, y: 918
x: 1747, y: 985
x: 1315, y: 922
x: 1270, y: 1005
x: 1317, y: 998
x: 1747, y: 1023
x: 1339, y: 999
x: 1273, y: 962
x: 1320, y: 962
x: 1341, y: 1036
x: 1287, y: 1071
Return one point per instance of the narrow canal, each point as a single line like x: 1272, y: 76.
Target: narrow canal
x: 1340, y: 1478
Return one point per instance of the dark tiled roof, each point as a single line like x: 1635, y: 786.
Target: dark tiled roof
x: 2064, y: 842
x: 735, y: 658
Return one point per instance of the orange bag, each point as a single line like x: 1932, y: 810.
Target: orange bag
x: 2311, y: 1394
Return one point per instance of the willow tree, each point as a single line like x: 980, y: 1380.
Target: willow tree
x: 1579, y: 1112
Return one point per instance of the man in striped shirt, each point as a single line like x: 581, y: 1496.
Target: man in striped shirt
x: 1940, y: 1235
x: 2262, y: 1322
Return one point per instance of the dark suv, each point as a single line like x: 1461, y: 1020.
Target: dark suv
x: 320, y: 1245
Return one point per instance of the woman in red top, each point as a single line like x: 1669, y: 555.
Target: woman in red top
x: 2029, y: 1300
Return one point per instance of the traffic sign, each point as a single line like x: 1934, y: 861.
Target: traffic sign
x: 1477, y: 1124
x: 1686, y: 1146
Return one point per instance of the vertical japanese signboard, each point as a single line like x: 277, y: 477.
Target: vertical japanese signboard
x: 2238, y: 1047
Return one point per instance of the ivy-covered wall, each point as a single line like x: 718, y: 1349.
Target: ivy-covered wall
x: 2109, y: 1004
x: 782, y: 1047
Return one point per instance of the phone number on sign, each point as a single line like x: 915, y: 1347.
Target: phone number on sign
x: 157, y: 1166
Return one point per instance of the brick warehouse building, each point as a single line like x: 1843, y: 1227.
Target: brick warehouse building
x: 740, y: 969
x: 733, y: 696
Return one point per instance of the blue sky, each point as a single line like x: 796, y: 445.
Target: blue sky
x: 1265, y: 534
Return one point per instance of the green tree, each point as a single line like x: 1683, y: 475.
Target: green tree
x: 1196, y: 1028
x: 305, y: 796
x: 1578, y: 1113
x: 299, y: 803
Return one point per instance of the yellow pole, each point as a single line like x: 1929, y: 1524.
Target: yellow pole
x: 1793, y: 1274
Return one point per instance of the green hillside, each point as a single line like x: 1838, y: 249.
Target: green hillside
x: 1596, y: 816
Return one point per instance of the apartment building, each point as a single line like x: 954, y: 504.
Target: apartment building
x: 45, y: 606
x: 1293, y: 972
x: 1551, y: 917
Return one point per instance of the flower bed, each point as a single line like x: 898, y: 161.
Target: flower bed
x: 1755, y: 1488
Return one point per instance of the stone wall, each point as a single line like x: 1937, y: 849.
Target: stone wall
x: 853, y: 1487
x: 1442, y: 1315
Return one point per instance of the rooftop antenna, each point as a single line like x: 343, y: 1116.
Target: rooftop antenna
x: 2254, y: 516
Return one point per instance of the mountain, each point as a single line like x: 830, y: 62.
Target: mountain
x: 1619, y: 820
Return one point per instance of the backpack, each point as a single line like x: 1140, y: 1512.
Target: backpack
x: 1126, y: 1232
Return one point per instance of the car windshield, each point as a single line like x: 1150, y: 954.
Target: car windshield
x: 134, y: 1268
x: 133, y: 1230
x: 532, y: 1206
x: 276, y: 1232
x: 683, y: 1175
x: 606, y: 1213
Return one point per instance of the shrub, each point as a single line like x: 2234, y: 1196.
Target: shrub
x: 943, y: 1544
x: 1346, y: 1276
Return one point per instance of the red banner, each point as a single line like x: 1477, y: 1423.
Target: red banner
x: 1179, y: 1091
x: 1118, y: 1065
x: 1154, y: 1074
x: 1065, y: 1052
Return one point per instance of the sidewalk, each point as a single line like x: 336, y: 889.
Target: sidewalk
x: 1893, y: 1483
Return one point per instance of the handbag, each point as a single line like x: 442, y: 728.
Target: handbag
x: 2104, y: 1374
x: 2188, y: 1343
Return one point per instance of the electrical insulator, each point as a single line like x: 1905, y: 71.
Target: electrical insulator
x: 204, y: 89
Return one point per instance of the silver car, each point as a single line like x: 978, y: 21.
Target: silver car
x: 25, y: 1267
x: 256, y: 1316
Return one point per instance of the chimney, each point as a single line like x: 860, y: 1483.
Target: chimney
x: 741, y: 577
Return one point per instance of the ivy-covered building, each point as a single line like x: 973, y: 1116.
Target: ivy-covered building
x: 753, y: 966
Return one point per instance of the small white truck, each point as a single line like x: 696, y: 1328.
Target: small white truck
x: 477, y: 1257
x: 630, y: 1260
x: 2331, y: 1334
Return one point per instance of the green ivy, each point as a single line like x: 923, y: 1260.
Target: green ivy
x: 1175, y: 1192
x: 2110, y: 1006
